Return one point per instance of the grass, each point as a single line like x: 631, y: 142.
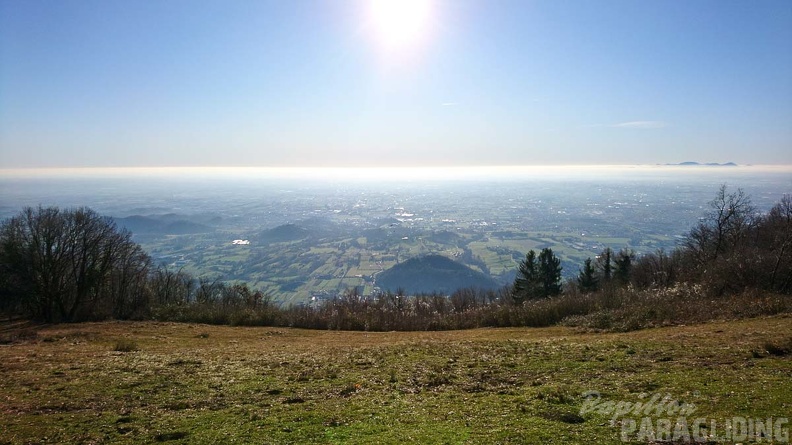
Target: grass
x: 189, y: 383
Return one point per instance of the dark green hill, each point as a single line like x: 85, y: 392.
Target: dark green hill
x: 446, y: 237
x: 432, y: 273
x: 160, y: 225
x: 284, y: 233
x: 138, y: 224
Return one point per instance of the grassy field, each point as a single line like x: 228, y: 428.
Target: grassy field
x: 148, y: 382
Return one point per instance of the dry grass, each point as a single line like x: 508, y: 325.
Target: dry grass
x: 208, y: 384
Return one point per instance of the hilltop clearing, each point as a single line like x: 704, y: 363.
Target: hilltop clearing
x: 132, y: 382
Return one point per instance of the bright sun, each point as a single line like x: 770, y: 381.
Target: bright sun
x: 399, y: 24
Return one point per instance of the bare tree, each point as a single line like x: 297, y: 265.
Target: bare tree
x: 171, y: 287
x: 725, y: 226
x: 775, y: 238
x: 60, y: 263
x: 127, y: 287
x: 656, y: 270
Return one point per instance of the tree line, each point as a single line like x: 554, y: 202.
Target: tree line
x: 73, y: 265
x: 732, y: 248
x: 69, y: 265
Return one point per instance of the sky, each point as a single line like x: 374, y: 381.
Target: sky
x: 372, y: 83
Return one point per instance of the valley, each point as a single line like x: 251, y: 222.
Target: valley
x: 304, y: 239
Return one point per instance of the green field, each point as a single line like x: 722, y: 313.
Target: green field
x: 293, y: 272
x: 148, y: 382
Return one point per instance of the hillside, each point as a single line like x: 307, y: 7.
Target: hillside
x: 149, y: 382
x: 161, y: 225
x: 284, y: 233
x: 432, y: 273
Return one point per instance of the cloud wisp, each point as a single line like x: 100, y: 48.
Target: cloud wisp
x: 641, y: 124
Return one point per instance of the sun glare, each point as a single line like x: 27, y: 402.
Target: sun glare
x: 399, y: 24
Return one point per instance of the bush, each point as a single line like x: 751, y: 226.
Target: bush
x: 125, y: 345
x: 779, y: 349
x: 611, y: 308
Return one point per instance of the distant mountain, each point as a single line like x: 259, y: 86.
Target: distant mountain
x: 284, y: 233
x: 139, y: 224
x: 432, y: 273
x: 708, y: 164
x: 161, y: 225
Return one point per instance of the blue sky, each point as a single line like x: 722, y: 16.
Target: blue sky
x: 310, y: 83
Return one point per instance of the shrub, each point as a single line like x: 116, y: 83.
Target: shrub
x: 21, y: 335
x: 780, y: 348
x: 125, y: 345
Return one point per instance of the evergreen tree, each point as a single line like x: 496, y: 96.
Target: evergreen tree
x: 526, y: 280
x: 537, y: 277
x: 549, y: 273
x: 587, y: 278
x: 623, y: 263
x: 605, y: 265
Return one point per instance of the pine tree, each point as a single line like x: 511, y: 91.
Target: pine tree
x: 537, y: 277
x: 605, y: 264
x: 587, y: 278
x: 549, y: 273
x: 623, y: 263
x: 527, y: 277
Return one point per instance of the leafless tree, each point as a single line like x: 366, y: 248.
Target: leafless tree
x: 171, y: 287
x: 60, y: 264
x: 725, y: 226
x: 774, y: 237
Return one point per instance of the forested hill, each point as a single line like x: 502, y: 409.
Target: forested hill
x: 432, y: 273
x: 284, y: 233
x: 162, y: 225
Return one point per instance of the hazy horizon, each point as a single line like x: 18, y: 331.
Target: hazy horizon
x: 114, y: 186
x: 481, y: 170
